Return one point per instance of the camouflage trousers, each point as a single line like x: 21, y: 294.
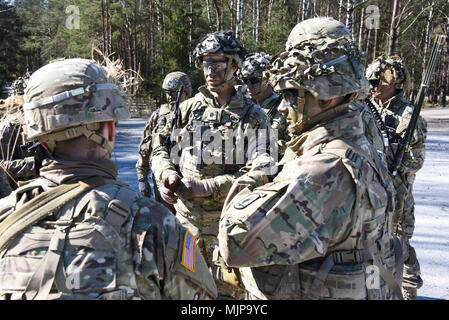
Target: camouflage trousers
x: 405, y: 226
x: 204, y: 226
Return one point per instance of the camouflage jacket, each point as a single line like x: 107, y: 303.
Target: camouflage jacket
x: 278, y: 120
x: 157, y: 122
x: 332, y: 196
x: 5, y: 188
x: 15, y: 155
x: 371, y: 127
x: 396, y: 114
x: 118, y: 245
x: 202, y: 112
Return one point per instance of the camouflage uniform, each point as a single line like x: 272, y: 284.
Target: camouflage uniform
x: 253, y: 67
x: 203, y: 112
x: 157, y: 122
x: 317, y: 229
x: 396, y: 114
x: 104, y: 241
x: 5, y: 188
x: 21, y: 160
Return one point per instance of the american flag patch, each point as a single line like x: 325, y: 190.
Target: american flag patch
x: 188, y: 251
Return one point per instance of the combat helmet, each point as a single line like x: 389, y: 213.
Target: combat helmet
x: 173, y: 81
x: 68, y: 98
x: 219, y: 43
x: 388, y: 70
x: 254, y: 65
x: 319, y: 58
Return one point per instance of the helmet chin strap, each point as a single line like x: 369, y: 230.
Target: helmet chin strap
x: 88, y: 130
x: 298, y: 127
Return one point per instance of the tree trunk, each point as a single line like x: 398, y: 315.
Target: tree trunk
x: 445, y: 86
x: 270, y: 7
x: 368, y: 38
x: 190, y: 31
x: 305, y: 8
x: 350, y: 15
x: 375, y: 44
x: 208, y: 13
x: 108, y: 23
x: 238, y: 24
x: 103, y: 31
x: 393, y: 28
x: 217, y: 10
x: 362, y: 17
x: 427, y: 38
x: 340, y: 10
x: 257, y: 20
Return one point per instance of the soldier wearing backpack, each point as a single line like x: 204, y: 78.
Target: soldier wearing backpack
x: 76, y: 232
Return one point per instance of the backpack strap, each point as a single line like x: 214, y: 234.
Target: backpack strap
x: 40, y: 207
x: 35, y: 210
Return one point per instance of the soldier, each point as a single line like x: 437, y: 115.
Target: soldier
x: 157, y: 121
x: 76, y: 232
x: 321, y: 229
x: 389, y: 81
x: 5, y: 188
x: 261, y: 92
x: 197, y: 187
x: 19, y: 159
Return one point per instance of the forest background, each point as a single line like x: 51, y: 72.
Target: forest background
x: 156, y: 37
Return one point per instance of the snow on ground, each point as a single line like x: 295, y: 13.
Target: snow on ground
x: 431, y: 191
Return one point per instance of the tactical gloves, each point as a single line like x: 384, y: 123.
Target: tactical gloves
x: 39, y: 155
x: 190, y: 187
x: 167, y: 188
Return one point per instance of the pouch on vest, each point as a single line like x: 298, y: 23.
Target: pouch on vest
x: 250, y: 206
x: 71, y: 255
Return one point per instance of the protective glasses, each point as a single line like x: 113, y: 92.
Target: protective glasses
x: 374, y: 83
x: 215, y: 65
x: 252, y: 81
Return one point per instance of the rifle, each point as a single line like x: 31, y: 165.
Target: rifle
x: 274, y: 108
x: 174, y: 118
x: 404, y: 144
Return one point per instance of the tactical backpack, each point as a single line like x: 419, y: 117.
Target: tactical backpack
x: 69, y: 242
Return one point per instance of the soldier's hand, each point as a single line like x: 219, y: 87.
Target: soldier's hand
x: 166, y: 194
x: 190, y: 187
x: 145, y: 188
x: 39, y: 155
x: 171, y: 181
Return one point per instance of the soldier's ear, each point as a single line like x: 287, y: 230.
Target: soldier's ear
x: 44, y: 144
x: 234, y: 67
x: 108, y: 130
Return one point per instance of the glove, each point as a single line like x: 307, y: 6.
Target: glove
x: 167, y: 188
x: 145, y: 188
x: 190, y: 187
x: 39, y: 155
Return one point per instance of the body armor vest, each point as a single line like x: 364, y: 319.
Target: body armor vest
x: 82, y: 251
x: 360, y: 267
x: 216, y: 143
